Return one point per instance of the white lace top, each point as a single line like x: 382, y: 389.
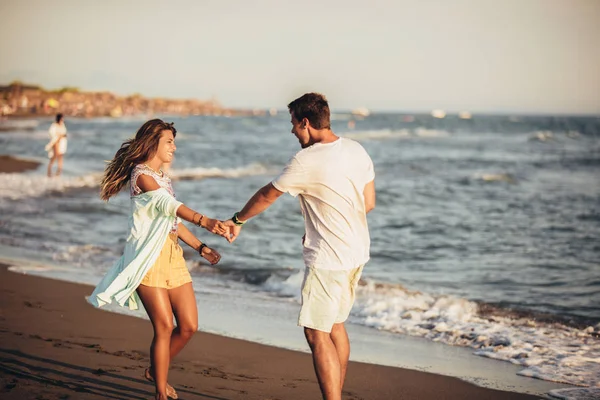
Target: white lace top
x: 163, y: 180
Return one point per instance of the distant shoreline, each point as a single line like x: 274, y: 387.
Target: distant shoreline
x: 21, y: 100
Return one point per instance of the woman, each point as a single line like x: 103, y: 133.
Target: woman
x: 152, y: 268
x: 57, y: 147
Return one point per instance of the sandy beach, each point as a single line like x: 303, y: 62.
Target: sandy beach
x: 10, y: 164
x: 56, y: 346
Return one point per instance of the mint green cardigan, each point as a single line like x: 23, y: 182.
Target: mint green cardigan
x: 152, y: 216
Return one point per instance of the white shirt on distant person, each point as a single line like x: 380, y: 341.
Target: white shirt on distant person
x: 330, y: 179
x: 55, y: 131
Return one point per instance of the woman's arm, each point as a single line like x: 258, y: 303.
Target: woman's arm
x: 210, y: 254
x: 188, y: 237
x: 147, y: 183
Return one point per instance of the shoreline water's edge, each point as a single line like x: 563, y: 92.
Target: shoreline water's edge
x: 72, y: 292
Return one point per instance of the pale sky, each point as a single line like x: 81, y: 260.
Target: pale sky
x: 499, y: 56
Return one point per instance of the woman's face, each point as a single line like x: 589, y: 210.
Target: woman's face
x: 166, y: 147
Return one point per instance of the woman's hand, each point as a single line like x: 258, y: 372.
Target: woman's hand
x: 211, y: 255
x: 215, y: 226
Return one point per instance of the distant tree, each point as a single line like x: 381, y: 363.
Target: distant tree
x: 68, y: 89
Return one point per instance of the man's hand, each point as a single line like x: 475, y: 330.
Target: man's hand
x: 211, y: 255
x: 234, y: 230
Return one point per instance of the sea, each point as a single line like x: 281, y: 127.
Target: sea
x: 485, y: 237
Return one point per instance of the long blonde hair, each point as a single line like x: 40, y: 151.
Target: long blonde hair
x: 132, y: 152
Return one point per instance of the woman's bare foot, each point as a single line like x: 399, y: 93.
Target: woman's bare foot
x: 171, y: 393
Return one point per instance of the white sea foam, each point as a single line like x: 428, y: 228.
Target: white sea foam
x: 24, y: 269
x: 87, y: 254
x: 541, y: 136
x: 289, y: 287
x: 495, y: 177
x: 338, y: 117
x: 575, y: 394
x: 198, y: 173
x: 430, y: 133
x: 389, y: 134
x: 547, y: 351
x: 30, y: 135
x: 378, y: 134
x: 17, y: 186
x: 552, y: 352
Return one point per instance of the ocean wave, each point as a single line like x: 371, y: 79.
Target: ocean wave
x: 575, y: 394
x: 389, y: 134
x: 547, y: 347
x: 541, y: 136
x: 544, y: 346
x: 341, y: 117
x: 431, y: 133
x: 378, y: 134
x: 496, y: 177
x: 548, y: 350
x: 18, y: 186
x: 88, y: 254
x: 200, y: 173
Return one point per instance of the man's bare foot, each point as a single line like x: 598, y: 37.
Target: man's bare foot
x: 171, y: 393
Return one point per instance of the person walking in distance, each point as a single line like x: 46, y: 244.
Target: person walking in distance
x: 57, y: 147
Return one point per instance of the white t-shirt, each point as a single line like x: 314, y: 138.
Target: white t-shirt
x: 330, y: 179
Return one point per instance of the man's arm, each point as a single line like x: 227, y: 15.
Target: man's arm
x: 258, y: 203
x: 369, y: 193
x: 262, y: 199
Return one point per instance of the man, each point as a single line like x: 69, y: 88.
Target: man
x: 334, y: 178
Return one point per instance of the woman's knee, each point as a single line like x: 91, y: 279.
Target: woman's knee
x: 188, y: 329
x: 163, y: 327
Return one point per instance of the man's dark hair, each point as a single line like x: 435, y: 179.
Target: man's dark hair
x: 313, y: 107
x: 59, y: 116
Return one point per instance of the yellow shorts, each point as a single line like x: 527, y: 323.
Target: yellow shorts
x: 327, y: 297
x: 169, y: 271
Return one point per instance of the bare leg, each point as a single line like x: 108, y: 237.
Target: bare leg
x: 183, y: 302
x: 158, y: 306
x: 50, y: 165
x: 60, y: 165
x: 326, y: 362
x: 342, y: 346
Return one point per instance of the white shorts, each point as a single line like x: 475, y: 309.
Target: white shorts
x: 327, y: 297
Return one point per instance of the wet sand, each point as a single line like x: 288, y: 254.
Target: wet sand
x: 10, y: 164
x: 56, y: 346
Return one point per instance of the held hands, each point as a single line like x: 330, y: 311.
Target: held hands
x: 215, y: 226
x: 234, y: 230
x: 211, y: 255
x: 229, y: 229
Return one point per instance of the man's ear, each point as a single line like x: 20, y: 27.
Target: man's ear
x: 305, y: 123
